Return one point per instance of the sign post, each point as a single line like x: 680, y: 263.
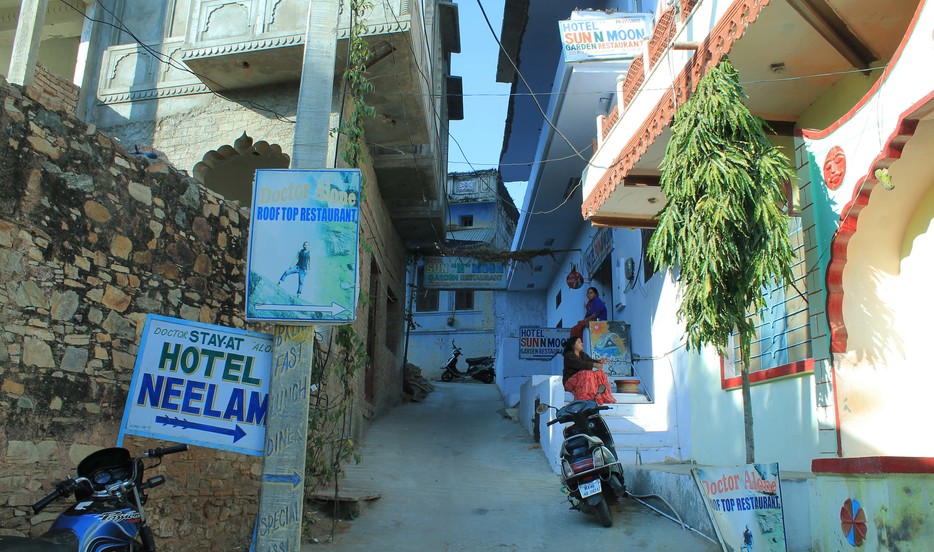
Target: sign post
x: 301, y: 270
x: 282, y: 496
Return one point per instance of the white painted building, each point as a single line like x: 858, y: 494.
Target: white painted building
x: 838, y: 370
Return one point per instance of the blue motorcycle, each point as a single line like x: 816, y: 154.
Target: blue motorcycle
x: 108, y: 512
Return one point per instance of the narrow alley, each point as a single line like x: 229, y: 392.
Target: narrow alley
x: 454, y: 474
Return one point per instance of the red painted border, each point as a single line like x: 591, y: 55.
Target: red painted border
x: 873, y: 464
x: 849, y: 215
x: 820, y: 134
x: 794, y: 368
x: 718, y: 43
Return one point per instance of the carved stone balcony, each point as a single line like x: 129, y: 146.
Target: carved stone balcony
x: 230, y: 46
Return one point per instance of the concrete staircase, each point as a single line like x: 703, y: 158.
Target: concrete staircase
x: 641, y: 429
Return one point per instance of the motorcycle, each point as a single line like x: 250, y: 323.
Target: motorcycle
x: 480, y: 368
x: 590, y: 469
x: 108, y: 512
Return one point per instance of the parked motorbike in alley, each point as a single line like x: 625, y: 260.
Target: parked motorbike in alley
x: 590, y: 469
x: 108, y: 512
x: 480, y: 368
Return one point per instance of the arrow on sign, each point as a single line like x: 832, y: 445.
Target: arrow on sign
x: 295, y: 479
x: 333, y: 309
x: 237, y: 432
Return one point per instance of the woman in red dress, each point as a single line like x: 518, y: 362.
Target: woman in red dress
x: 584, y: 375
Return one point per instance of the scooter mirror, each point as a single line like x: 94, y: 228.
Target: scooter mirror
x: 601, y: 389
x: 542, y: 408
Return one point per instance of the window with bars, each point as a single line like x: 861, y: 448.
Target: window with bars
x: 781, y: 345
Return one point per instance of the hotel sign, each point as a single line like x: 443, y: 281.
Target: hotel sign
x: 463, y: 273
x: 589, y: 38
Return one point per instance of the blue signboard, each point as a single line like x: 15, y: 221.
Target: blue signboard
x: 200, y: 384
x: 542, y: 343
x: 304, y: 233
x: 463, y: 273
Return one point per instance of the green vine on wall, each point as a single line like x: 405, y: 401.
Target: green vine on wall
x: 358, y: 86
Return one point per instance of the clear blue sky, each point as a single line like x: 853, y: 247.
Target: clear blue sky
x: 480, y: 134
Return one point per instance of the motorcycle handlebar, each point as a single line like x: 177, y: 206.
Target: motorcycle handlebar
x: 39, y: 506
x: 552, y: 422
x: 160, y: 452
x: 603, y: 407
x: 62, y: 489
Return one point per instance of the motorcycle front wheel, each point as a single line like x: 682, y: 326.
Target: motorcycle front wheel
x: 603, y: 513
x: 446, y: 376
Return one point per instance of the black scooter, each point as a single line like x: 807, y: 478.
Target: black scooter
x: 480, y: 368
x: 590, y: 469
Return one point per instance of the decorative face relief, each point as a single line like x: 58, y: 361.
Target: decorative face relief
x: 834, y: 167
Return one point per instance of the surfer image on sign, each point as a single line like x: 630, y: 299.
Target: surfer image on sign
x: 305, y: 223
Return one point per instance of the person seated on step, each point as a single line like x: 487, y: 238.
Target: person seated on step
x: 584, y: 375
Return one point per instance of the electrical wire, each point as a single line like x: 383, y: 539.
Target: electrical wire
x: 175, y: 64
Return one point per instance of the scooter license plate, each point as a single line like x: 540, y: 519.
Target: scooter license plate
x: 590, y: 488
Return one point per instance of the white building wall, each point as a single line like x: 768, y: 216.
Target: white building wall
x: 711, y: 418
x: 514, y: 310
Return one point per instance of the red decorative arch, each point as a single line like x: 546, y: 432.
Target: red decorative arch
x: 891, y: 151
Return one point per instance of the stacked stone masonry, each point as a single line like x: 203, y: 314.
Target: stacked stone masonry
x: 92, y: 239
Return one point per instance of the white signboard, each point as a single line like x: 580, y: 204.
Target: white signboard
x: 542, y: 343
x: 745, y: 503
x: 304, y: 233
x: 589, y: 38
x: 200, y: 384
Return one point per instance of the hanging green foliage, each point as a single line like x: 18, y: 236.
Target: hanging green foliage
x: 358, y: 86
x: 722, y: 227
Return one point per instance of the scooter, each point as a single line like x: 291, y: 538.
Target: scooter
x: 590, y: 469
x: 108, y: 511
x: 480, y: 368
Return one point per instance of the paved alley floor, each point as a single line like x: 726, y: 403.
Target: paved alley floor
x: 455, y: 475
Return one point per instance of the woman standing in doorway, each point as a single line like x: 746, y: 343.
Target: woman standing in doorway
x: 584, y: 375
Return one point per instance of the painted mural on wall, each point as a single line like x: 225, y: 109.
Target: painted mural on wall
x: 745, y: 503
x: 302, y: 263
x: 610, y: 339
x: 200, y: 384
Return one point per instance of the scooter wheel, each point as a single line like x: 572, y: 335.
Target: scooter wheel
x: 603, y: 514
x: 487, y: 378
x: 446, y: 376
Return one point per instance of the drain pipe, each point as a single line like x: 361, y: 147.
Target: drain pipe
x: 684, y: 526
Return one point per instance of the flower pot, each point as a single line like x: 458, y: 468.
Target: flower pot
x: 627, y: 385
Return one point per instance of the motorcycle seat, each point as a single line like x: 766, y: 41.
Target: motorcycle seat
x: 473, y: 361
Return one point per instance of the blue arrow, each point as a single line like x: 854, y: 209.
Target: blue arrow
x: 237, y: 432
x: 295, y: 479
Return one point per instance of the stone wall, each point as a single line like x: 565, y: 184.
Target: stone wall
x: 93, y: 238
